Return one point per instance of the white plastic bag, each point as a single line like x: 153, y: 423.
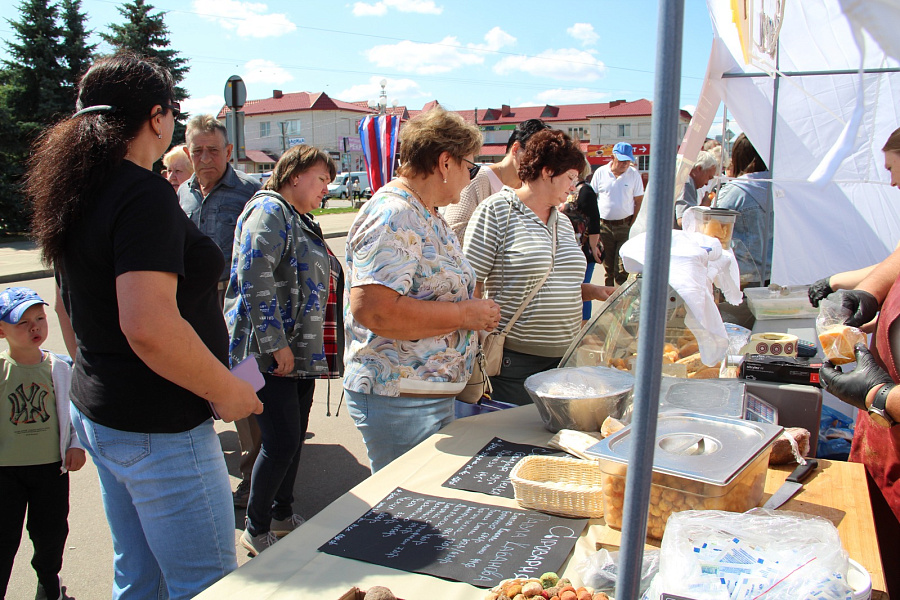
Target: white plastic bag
x: 600, y: 570
x: 764, y: 554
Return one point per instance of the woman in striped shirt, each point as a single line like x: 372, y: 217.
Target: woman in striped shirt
x: 509, y: 242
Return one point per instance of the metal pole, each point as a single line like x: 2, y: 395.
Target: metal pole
x: 654, y: 293
x: 771, y: 164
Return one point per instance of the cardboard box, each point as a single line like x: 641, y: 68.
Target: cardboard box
x: 781, y: 369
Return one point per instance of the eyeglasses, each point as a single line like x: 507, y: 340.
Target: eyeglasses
x: 175, y: 107
x: 473, y: 170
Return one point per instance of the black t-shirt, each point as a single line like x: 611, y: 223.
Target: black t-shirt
x: 135, y: 224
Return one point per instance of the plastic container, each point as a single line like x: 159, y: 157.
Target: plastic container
x: 701, y: 462
x: 721, y: 397
x: 579, y: 398
x: 717, y: 223
x: 776, y: 302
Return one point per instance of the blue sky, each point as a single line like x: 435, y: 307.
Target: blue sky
x: 459, y: 52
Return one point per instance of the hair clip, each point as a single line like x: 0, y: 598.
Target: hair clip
x: 105, y: 108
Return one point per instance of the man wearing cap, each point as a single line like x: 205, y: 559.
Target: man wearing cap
x: 619, y: 193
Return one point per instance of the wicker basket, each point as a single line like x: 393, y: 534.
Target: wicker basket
x: 568, y: 487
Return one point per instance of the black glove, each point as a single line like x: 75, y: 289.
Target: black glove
x: 819, y: 290
x: 852, y: 387
x: 862, y: 305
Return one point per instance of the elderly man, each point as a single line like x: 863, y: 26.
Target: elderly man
x: 619, y: 193
x: 214, y: 198
x: 704, y: 169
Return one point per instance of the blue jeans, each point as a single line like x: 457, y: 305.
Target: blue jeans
x: 168, y: 501
x: 391, y: 426
x: 282, y: 426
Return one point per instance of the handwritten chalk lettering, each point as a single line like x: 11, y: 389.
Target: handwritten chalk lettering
x: 458, y: 540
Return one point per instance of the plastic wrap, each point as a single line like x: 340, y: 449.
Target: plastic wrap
x: 579, y: 398
x: 837, y: 339
x: 764, y: 554
x: 601, y: 569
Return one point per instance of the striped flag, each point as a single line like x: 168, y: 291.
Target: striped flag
x: 378, y: 134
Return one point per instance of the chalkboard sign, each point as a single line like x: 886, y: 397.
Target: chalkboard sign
x: 464, y: 541
x: 488, y: 471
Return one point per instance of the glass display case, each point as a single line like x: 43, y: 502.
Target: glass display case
x: 610, y: 338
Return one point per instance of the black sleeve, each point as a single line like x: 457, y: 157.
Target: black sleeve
x: 149, y: 231
x: 587, y: 205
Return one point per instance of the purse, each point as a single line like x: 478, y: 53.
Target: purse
x: 489, y: 358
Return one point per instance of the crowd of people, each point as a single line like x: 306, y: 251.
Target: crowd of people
x: 166, y: 284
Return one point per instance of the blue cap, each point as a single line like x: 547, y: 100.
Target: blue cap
x: 623, y: 151
x: 15, y: 301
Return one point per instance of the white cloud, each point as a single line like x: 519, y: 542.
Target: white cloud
x: 584, y: 33
x: 571, y: 96
x: 690, y: 108
x: 565, y: 63
x: 205, y: 105
x: 260, y: 70
x: 495, y: 39
x: 423, y: 59
x: 380, y: 8
x: 247, y: 19
x: 400, y: 89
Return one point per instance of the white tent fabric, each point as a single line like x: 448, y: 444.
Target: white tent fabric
x: 854, y: 220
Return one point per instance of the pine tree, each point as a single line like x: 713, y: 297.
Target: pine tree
x: 35, y: 73
x: 146, y: 34
x: 32, y: 96
x: 77, y: 53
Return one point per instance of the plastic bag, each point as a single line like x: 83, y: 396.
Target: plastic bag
x: 737, y: 338
x: 765, y: 554
x: 835, y: 434
x: 837, y: 339
x: 600, y: 570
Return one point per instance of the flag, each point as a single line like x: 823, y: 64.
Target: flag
x: 378, y: 134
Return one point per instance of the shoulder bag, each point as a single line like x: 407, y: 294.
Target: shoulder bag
x: 489, y: 358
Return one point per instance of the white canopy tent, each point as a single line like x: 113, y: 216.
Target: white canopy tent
x: 853, y: 220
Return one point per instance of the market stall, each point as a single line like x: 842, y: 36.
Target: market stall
x: 296, y: 567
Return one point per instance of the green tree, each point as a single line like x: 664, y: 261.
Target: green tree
x: 32, y: 96
x: 77, y: 53
x: 146, y: 34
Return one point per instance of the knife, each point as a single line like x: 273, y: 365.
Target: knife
x: 792, y: 484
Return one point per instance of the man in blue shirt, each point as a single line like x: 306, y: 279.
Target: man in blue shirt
x: 213, y: 198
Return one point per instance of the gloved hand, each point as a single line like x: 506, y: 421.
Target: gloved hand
x: 862, y: 305
x: 852, y: 387
x: 819, y: 290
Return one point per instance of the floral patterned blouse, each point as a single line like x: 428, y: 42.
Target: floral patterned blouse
x: 396, y: 242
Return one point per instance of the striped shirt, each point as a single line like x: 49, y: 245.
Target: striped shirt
x: 552, y: 319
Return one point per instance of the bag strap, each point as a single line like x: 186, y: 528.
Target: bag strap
x: 536, y: 288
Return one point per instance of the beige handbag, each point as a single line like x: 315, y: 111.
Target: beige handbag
x: 489, y: 359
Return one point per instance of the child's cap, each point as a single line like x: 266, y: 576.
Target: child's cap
x: 15, y: 301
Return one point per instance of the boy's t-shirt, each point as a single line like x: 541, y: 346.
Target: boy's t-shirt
x: 29, y: 424
x: 136, y: 224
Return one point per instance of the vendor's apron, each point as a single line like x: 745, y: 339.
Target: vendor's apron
x: 877, y: 447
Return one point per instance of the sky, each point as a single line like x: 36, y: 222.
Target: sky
x: 458, y: 52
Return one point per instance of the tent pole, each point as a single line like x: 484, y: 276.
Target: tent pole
x: 654, y: 293
x: 771, y: 164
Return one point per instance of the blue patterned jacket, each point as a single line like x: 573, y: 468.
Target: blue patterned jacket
x: 277, y: 294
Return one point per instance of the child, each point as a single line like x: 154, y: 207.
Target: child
x: 37, y: 442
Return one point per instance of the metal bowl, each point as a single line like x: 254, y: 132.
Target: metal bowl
x: 579, y: 398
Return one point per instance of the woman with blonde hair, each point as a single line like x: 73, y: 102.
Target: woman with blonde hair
x: 177, y: 166
x: 411, y: 321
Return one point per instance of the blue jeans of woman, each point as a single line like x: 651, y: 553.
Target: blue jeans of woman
x: 391, y: 425
x: 283, y: 422
x: 168, y: 501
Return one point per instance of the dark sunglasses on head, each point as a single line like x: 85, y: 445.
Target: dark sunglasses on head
x: 175, y: 107
x: 473, y: 170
